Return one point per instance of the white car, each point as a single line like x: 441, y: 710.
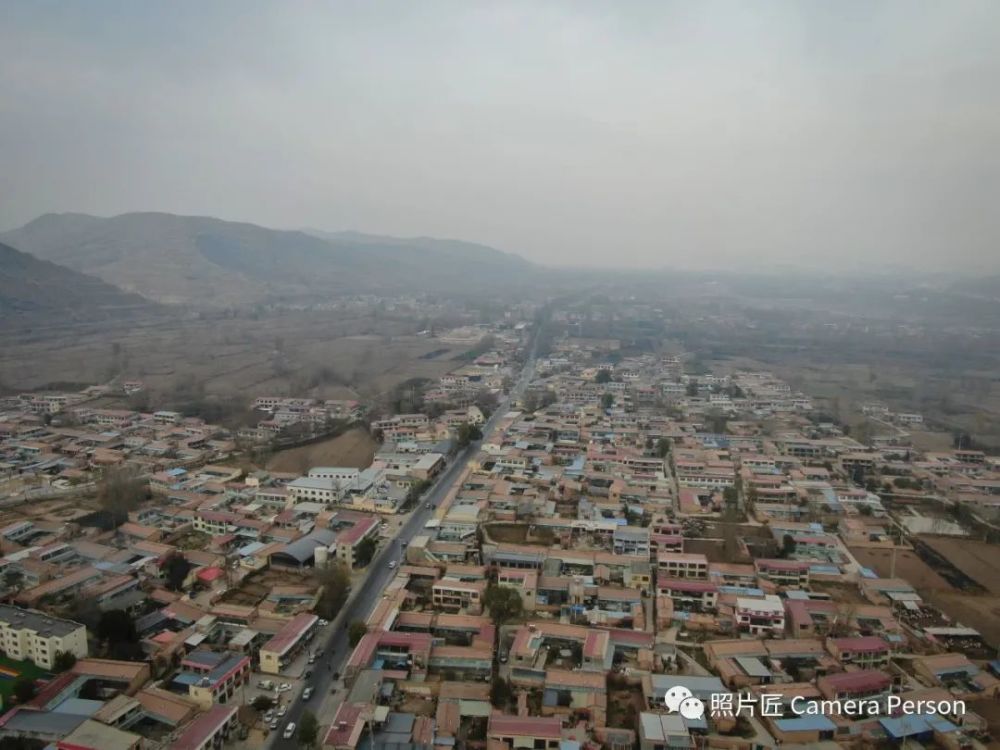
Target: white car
x: 324, y: 623
x: 392, y: 564
x: 289, y: 730
x: 307, y: 693
x: 283, y: 688
x: 282, y: 711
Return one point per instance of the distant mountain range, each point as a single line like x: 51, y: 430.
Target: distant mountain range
x: 33, y: 291
x: 202, y: 261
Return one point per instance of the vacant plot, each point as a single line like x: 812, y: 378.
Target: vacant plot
x: 519, y: 533
x: 254, y: 588
x: 909, y: 566
x: 354, y: 448
x: 977, y: 560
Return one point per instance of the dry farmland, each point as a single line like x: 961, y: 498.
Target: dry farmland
x: 977, y: 560
x: 295, y: 353
x: 909, y: 566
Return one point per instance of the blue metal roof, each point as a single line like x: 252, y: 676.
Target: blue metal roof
x: 907, y: 726
x: 827, y: 569
x: 816, y: 723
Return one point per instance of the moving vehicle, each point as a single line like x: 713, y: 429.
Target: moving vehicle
x: 307, y: 693
x: 289, y: 730
x: 392, y: 564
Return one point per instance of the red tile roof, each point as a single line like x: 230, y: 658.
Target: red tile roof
x: 204, y: 727
x: 861, y: 643
x: 290, y: 633
x: 549, y: 727
x: 855, y: 682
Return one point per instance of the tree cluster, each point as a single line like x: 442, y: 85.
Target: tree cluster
x: 467, y: 434
x: 503, y: 603
x: 335, y: 581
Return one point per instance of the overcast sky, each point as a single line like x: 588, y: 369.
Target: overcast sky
x: 636, y: 133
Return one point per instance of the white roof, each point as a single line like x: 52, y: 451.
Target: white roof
x: 767, y: 604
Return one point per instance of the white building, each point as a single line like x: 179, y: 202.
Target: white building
x: 27, y: 634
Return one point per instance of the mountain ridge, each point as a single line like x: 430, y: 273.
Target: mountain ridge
x: 32, y: 290
x: 205, y: 261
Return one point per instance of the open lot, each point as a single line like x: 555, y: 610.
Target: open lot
x: 354, y: 448
x: 255, y: 587
x: 909, y: 566
x: 977, y: 560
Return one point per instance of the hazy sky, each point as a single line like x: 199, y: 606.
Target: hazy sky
x: 654, y: 133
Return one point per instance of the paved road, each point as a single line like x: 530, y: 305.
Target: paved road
x: 335, y: 650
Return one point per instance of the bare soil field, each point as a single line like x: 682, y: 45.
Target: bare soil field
x: 977, y: 560
x: 909, y: 566
x: 354, y: 448
x: 979, y: 611
x: 989, y: 710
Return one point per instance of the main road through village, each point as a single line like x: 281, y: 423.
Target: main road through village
x: 333, y: 653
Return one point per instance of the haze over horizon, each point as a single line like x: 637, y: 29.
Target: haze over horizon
x: 699, y: 135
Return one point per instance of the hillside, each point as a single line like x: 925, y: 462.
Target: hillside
x: 34, y: 291
x: 209, y: 262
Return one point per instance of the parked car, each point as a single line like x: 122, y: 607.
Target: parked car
x: 324, y: 623
x: 392, y: 564
x: 273, y: 724
x: 283, y: 688
x: 307, y: 673
x: 289, y: 730
x: 282, y: 710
